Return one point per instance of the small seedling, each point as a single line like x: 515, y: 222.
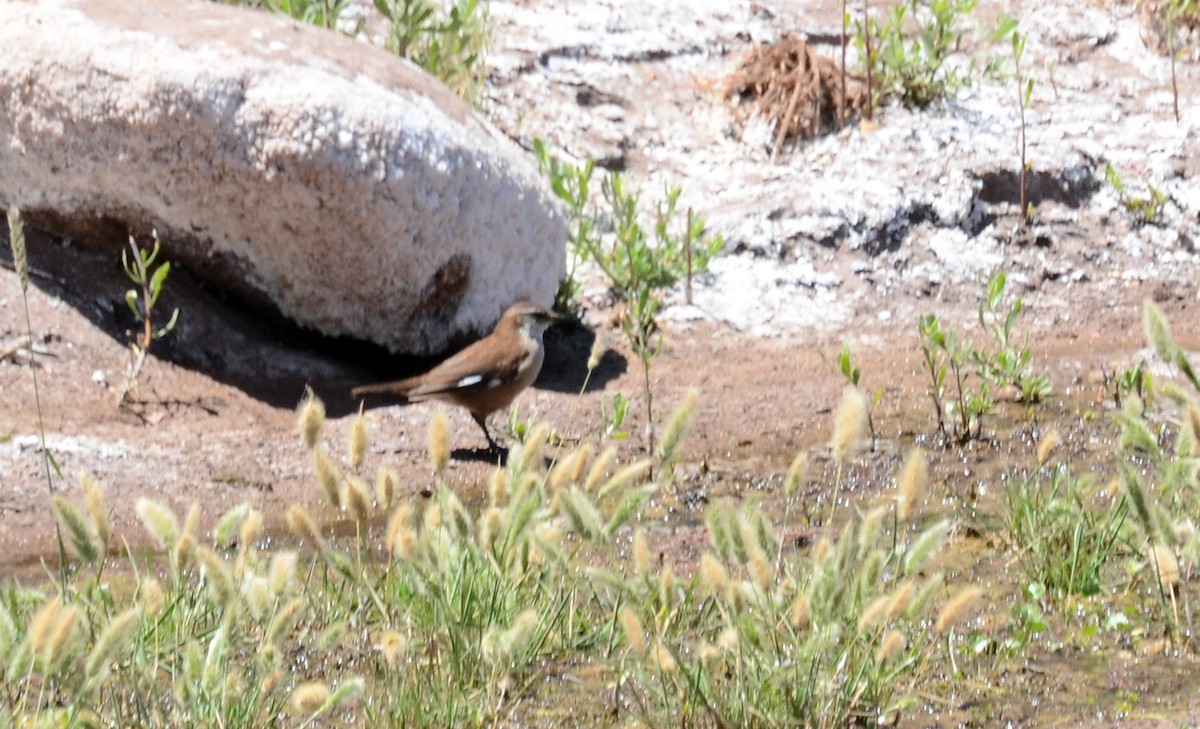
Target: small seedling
x: 1024, y: 98
x: 1146, y: 209
x: 1174, y: 10
x: 149, y: 280
x: 448, y: 40
x: 322, y: 13
x: 853, y: 373
x: 912, y: 65
x: 638, y: 261
x: 1009, y: 364
x: 945, y: 358
x: 613, y: 418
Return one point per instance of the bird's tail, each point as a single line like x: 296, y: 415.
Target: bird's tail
x: 399, y: 387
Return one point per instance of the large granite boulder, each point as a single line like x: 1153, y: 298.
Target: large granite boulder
x: 296, y: 168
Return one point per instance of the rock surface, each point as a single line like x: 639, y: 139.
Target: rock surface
x: 295, y: 168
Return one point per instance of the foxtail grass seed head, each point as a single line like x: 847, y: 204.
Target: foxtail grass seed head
x: 600, y: 468
x: 61, y: 642
x: 635, y: 634
x: 713, y: 577
x: 1157, y: 331
x: 159, y: 521
x: 900, y: 600
x: 43, y: 623
x: 112, y: 641
x: 821, y: 551
x: 392, y: 646
x: 387, y: 487
x: 151, y: 597
x: 257, y: 594
x: 83, y: 541
x: 667, y: 594
x: 432, y: 519
x: 216, y: 574
x: 439, y: 441
x: 798, y: 612
x: 252, y: 528
x: 1046, y: 446
x: 328, y: 477
x: 874, y: 613
x: 309, y: 697
x: 662, y: 658
x: 925, y: 546
x: 93, y: 498
x: 585, y: 518
x: 890, y: 647
x: 535, y: 442
x: 599, y: 347
x: 633, y: 473
x: 223, y: 532
x: 282, y: 571
x: 184, y: 550
x: 359, y: 440
x: 310, y: 416
x: 491, y: 526
x: 560, y: 474
x: 1194, y: 421
x: 16, y: 238
x: 580, y: 464
x: 642, y: 565
x: 285, y: 619
x: 498, y: 487
x: 1165, y: 564
x: 677, y: 426
x: 358, y: 500
x: 302, y: 525
x: 401, y: 539
x: 850, y: 423
x: 515, y: 640
x: 913, y: 479
x: 796, y: 475
x: 761, y: 571
x: 956, y: 609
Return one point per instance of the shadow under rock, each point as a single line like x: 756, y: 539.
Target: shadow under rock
x: 259, y: 352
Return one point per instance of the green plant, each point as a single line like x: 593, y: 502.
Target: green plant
x: 1024, y: 98
x: 1061, y: 540
x: 1146, y: 210
x: 852, y: 373
x: 908, y: 57
x: 1009, y: 363
x: 1134, y: 380
x: 142, y: 300
x: 637, y: 263
x: 448, y: 40
x: 612, y: 419
x: 841, y: 634
x: 1161, y: 481
x: 944, y: 357
x: 1173, y: 11
x: 323, y: 13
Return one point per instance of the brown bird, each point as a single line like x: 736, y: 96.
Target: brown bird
x: 489, y: 374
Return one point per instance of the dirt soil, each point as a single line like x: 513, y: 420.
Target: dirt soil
x: 212, y: 420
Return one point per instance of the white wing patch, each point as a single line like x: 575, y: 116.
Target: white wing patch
x: 471, y: 380
x: 492, y: 384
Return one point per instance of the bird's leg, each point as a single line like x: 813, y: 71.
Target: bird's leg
x: 482, y: 421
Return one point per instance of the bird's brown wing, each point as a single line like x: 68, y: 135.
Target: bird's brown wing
x: 466, y: 372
